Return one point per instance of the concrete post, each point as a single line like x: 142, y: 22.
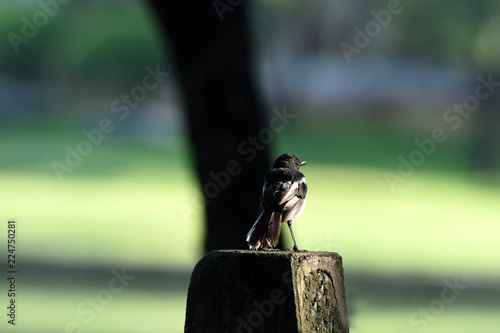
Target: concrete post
x: 260, y: 291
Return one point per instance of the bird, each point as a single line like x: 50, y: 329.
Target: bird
x: 282, y: 200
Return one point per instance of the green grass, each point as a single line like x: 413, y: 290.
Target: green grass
x: 396, y: 319
x: 121, y: 207
x: 430, y: 226
x: 55, y: 309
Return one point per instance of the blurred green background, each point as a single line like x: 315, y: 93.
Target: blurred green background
x: 132, y: 205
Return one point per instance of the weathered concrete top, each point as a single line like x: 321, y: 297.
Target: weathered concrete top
x: 267, y: 291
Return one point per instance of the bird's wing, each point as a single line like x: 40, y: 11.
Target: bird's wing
x: 293, y: 209
x: 302, y: 189
x: 288, y: 191
x: 279, y: 188
x: 296, y: 187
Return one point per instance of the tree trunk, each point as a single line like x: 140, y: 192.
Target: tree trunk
x: 213, y: 64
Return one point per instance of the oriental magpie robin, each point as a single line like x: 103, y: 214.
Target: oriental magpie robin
x: 283, y: 200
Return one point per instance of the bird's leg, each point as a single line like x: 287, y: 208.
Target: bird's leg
x: 295, y: 248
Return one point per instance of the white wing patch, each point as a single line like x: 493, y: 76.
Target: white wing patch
x: 292, y: 192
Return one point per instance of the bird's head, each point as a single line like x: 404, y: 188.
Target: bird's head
x: 288, y: 161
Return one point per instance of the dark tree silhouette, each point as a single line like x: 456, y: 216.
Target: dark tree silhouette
x: 483, y: 152
x: 212, y: 58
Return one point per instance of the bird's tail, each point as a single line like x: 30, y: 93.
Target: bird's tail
x: 266, y: 230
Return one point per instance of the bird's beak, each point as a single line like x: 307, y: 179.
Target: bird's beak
x: 303, y: 163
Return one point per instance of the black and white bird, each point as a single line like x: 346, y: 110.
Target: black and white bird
x: 283, y: 200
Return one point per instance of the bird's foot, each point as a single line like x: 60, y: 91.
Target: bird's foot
x: 295, y: 249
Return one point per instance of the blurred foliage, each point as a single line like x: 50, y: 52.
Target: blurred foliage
x: 487, y: 46
x: 91, y: 41
x: 92, y: 44
x: 27, y: 62
x: 444, y: 31
x: 115, y: 40
x: 446, y: 28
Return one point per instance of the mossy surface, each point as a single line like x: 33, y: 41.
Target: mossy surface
x: 258, y: 291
